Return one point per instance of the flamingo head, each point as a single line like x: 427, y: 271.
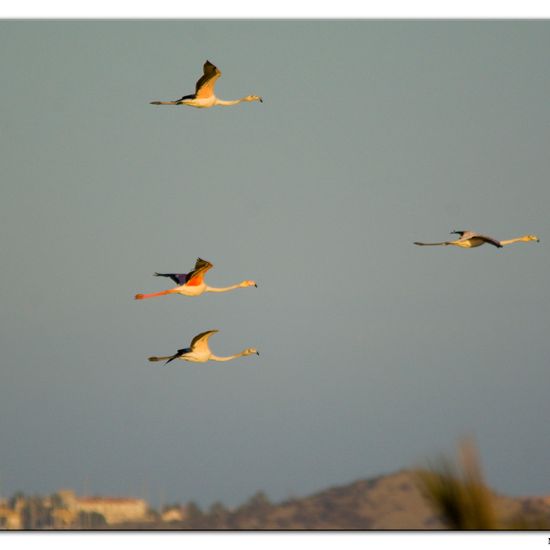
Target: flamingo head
x: 244, y: 284
x: 531, y: 238
x: 253, y: 98
x: 251, y: 351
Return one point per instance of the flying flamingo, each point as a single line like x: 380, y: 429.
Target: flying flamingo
x: 199, y: 352
x: 192, y: 284
x: 470, y: 239
x: 204, y: 92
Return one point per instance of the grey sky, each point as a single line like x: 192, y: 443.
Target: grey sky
x: 375, y: 354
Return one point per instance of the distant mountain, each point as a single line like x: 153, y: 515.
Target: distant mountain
x: 390, y: 502
x: 386, y: 502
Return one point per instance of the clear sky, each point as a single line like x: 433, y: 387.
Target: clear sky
x: 375, y: 354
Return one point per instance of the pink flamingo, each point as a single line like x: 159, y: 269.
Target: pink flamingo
x: 192, y: 284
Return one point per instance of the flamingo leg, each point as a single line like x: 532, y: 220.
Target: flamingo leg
x: 152, y: 295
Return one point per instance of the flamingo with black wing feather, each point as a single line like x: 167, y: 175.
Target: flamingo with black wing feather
x: 199, y: 351
x: 192, y: 284
x: 204, y: 95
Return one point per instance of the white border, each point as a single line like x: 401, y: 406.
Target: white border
x: 273, y: 541
x: 287, y: 9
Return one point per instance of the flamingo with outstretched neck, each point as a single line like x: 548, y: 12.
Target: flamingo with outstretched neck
x: 204, y: 95
x: 192, y: 284
x: 471, y: 239
x: 199, y: 351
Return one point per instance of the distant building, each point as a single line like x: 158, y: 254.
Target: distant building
x: 113, y: 509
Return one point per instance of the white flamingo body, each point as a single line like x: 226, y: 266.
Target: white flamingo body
x: 200, y: 102
x: 184, y: 290
x: 192, y: 284
x: 200, y: 352
x: 471, y: 242
x: 204, y: 96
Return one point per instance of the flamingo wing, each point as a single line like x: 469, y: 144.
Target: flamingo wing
x: 195, y: 277
x: 179, y: 353
x: 466, y: 235
x: 489, y: 240
x: 200, y: 342
x: 205, y: 84
x: 178, y: 278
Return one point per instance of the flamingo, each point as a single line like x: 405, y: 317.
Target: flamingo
x: 199, y: 352
x: 192, y: 284
x: 204, y: 92
x: 471, y: 239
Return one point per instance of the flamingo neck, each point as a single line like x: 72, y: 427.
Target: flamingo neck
x: 228, y: 102
x: 223, y: 289
x: 229, y: 358
x: 523, y: 239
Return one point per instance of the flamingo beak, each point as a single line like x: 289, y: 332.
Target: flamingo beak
x: 255, y: 285
x: 261, y: 100
x: 257, y: 353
